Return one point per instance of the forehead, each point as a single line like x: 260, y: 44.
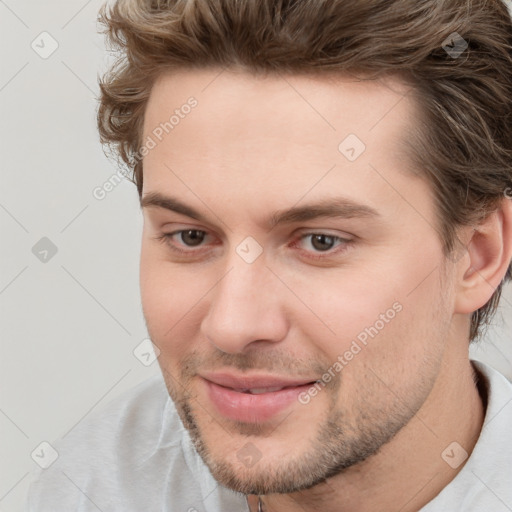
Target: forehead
x: 301, y: 116
x: 329, y: 103
x: 282, y: 133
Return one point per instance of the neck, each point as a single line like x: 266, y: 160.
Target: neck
x: 414, y: 466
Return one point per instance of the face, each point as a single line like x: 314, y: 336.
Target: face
x: 278, y: 251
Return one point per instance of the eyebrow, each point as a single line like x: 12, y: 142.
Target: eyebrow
x: 339, y: 207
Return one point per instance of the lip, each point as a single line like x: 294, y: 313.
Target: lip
x: 229, y: 380
x: 249, y: 408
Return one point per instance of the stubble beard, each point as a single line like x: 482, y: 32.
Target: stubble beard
x: 339, y: 444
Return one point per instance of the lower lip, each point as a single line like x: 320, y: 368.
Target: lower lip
x: 250, y: 408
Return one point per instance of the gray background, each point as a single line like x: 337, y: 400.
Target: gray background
x: 70, y: 321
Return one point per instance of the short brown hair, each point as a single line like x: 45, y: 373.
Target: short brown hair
x: 463, y: 142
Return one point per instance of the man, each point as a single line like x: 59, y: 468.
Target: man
x: 325, y: 188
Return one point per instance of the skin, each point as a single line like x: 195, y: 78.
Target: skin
x: 372, y: 438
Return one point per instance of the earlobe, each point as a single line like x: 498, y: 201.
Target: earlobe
x: 489, y: 253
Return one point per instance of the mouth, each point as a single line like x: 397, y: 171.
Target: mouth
x: 260, y: 391
x: 257, y: 383
x: 254, y: 404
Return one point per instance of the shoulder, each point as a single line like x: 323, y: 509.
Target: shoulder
x: 110, y: 452
x: 485, y: 481
x: 136, y: 416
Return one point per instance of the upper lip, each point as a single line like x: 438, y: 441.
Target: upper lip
x: 230, y: 380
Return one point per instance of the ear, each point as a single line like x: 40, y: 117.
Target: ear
x: 489, y: 253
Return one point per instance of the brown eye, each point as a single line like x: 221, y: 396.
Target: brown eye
x: 320, y: 246
x: 192, y: 237
x: 190, y: 242
x: 322, y: 242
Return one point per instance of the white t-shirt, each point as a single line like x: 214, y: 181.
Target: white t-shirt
x: 135, y: 455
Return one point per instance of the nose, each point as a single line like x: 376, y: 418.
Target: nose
x: 245, y: 306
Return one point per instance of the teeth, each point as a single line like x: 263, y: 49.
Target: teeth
x: 259, y: 391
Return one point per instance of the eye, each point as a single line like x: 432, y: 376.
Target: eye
x: 316, y: 245
x: 191, y: 237
x: 323, y: 243
x: 187, y: 237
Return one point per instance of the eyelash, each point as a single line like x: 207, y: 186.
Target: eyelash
x: 167, y: 237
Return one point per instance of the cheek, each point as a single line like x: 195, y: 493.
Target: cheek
x: 341, y: 304
x: 165, y: 306
x: 172, y: 301
x: 165, y: 298
x: 152, y: 288
x: 394, y: 311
